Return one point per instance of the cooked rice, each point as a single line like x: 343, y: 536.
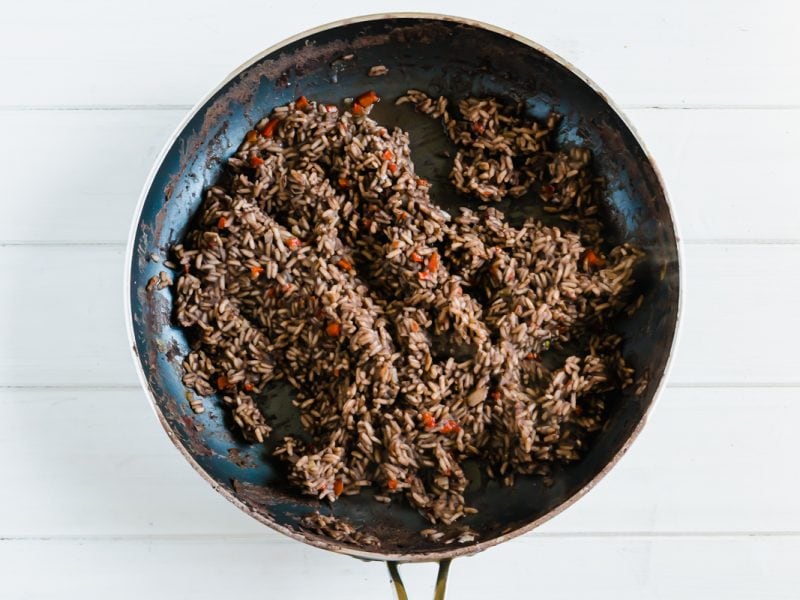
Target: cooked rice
x: 338, y: 529
x: 414, y: 339
x: 378, y: 71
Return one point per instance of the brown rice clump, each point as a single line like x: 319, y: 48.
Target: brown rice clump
x: 414, y: 339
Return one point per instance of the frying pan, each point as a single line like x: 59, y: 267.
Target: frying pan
x: 440, y: 55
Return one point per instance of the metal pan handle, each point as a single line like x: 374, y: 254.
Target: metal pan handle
x: 441, y: 579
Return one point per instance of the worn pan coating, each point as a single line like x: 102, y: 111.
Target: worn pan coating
x: 439, y: 55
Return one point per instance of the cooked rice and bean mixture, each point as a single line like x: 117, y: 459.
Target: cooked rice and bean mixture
x: 414, y: 339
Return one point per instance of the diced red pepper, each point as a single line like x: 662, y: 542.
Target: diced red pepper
x: 367, y: 99
x: 422, y: 181
x: 433, y: 262
x: 414, y: 326
x: 301, y: 102
x: 338, y: 487
x: 256, y: 161
x: 248, y: 387
x: 449, y: 427
x: 428, y: 420
x: 358, y: 109
x: 393, y: 167
x: 415, y: 257
x: 293, y: 242
x: 593, y: 259
x: 387, y: 155
x: 269, y: 128
x: 222, y: 222
x: 333, y: 329
x: 392, y: 484
x: 255, y: 272
x: 423, y: 275
x: 478, y: 127
x: 344, y: 264
x: 343, y: 183
x: 222, y: 382
x: 497, y: 395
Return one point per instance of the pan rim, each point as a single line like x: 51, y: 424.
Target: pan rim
x: 308, y: 537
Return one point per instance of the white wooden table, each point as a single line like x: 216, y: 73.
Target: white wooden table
x: 96, y: 503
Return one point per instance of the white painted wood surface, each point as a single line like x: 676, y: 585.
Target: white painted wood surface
x: 96, y: 503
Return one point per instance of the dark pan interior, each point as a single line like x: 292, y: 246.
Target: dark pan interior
x: 438, y: 56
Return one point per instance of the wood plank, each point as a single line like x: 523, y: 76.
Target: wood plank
x: 96, y: 165
x: 90, y: 191
x: 64, y: 323
x: 96, y: 463
x: 96, y: 53
x: 600, y: 568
